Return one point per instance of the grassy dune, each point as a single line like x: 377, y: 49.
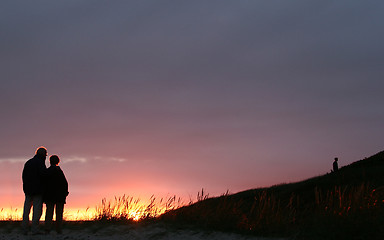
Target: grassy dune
x: 348, y: 204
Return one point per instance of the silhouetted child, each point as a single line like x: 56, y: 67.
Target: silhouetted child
x: 335, y: 165
x: 56, y: 192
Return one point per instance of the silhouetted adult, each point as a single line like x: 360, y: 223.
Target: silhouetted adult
x: 32, y: 176
x: 335, y: 165
x: 56, y: 192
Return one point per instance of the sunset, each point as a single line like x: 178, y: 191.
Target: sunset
x: 161, y: 99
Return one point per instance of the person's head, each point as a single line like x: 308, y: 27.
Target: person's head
x: 54, y: 160
x: 336, y: 159
x: 41, y: 152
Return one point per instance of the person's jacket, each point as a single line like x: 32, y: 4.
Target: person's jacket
x: 56, y: 186
x: 32, y: 176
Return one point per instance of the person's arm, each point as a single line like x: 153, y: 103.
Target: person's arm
x: 64, y: 183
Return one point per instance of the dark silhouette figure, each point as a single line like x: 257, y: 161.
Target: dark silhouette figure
x: 56, y: 192
x: 32, y: 176
x: 335, y: 165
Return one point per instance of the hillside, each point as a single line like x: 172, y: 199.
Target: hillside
x: 347, y: 203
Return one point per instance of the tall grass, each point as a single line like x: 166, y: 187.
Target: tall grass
x: 10, y: 214
x: 83, y: 214
x: 343, y: 201
x: 265, y: 212
x: 126, y: 208
x: 343, y: 208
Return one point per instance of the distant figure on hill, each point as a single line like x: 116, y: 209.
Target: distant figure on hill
x: 56, y: 192
x: 335, y: 165
x: 32, y: 176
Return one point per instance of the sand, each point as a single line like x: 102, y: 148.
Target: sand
x: 131, y: 232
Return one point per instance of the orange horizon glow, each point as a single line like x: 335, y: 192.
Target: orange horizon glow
x: 123, y: 207
x: 16, y: 214
x: 71, y: 214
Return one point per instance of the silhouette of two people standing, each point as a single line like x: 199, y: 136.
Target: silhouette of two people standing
x: 43, y: 185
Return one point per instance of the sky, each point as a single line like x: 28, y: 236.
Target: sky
x: 169, y: 97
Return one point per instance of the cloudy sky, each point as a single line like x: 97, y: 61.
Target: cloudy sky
x: 168, y: 97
